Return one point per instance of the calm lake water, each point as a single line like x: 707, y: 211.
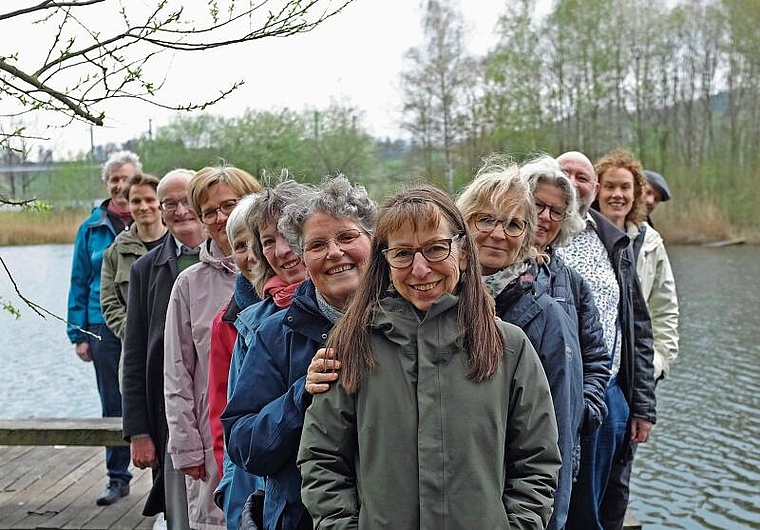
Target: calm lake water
x: 701, y: 469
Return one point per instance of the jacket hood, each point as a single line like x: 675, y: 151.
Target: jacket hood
x: 212, y: 255
x: 396, y: 318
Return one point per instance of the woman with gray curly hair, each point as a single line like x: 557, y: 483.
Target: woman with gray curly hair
x: 558, y: 222
x: 329, y: 226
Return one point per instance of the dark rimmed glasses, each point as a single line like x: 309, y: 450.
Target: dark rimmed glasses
x: 317, y: 248
x: 555, y: 214
x: 433, y: 252
x: 487, y: 223
x: 210, y: 216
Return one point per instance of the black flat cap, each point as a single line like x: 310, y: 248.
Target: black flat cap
x: 658, y: 181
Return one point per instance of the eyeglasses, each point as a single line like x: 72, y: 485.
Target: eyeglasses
x: 242, y: 247
x: 317, y: 248
x: 403, y: 257
x: 171, y: 205
x: 210, y: 216
x: 555, y: 214
x: 487, y: 223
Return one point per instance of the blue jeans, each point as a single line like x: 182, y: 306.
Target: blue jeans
x: 599, y: 453
x: 105, y: 359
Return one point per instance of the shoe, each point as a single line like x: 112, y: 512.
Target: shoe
x: 159, y: 523
x: 113, y: 492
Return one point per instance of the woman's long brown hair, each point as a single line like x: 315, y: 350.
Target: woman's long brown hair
x: 422, y: 206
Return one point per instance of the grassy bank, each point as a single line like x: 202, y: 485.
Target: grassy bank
x: 40, y: 228
x: 688, y: 221
x: 696, y: 220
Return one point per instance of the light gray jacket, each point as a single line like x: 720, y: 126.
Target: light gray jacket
x: 199, y: 293
x: 659, y: 288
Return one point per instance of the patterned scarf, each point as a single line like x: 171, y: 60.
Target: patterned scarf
x: 498, y: 281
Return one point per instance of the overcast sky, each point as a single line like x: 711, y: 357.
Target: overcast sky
x: 355, y: 57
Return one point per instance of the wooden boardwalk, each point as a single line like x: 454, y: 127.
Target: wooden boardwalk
x: 55, y: 487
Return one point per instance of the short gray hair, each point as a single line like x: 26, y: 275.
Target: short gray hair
x: 119, y: 158
x: 336, y: 197
x: 546, y: 170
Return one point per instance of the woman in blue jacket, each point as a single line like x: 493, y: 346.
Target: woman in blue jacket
x: 86, y: 328
x: 277, y: 273
x: 329, y: 227
x: 499, y: 210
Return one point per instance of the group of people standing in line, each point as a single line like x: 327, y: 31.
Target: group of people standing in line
x: 298, y: 356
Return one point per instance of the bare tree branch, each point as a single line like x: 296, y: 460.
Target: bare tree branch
x: 84, y: 68
x: 41, y: 311
x: 48, y: 4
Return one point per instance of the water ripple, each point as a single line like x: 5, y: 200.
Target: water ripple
x: 701, y: 470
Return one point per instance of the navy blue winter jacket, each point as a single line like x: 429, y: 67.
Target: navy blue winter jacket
x: 528, y: 304
x: 264, y: 415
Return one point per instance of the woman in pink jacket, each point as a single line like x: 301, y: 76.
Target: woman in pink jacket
x: 199, y: 292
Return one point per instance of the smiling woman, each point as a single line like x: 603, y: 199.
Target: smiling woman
x: 424, y: 368
x: 501, y: 211
x: 199, y: 293
x: 147, y: 232
x: 329, y: 227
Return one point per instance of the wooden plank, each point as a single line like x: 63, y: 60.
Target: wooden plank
x: 55, y: 465
x: 22, y: 473
x: 57, y: 431
x: 126, y: 514
x: 9, y: 454
x: 55, y: 500
x: 725, y: 243
x: 65, y: 498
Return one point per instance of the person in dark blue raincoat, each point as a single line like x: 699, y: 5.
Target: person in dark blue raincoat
x: 330, y: 228
x: 499, y: 210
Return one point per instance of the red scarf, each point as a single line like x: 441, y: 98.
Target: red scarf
x: 281, y: 292
x: 121, y: 213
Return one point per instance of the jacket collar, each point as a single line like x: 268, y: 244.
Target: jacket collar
x: 398, y: 320
x: 304, y: 316
x: 212, y: 255
x: 612, y: 237
x: 167, y: 252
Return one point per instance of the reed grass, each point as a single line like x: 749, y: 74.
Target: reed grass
x: 696, y: 220
x: 40, y: 228
x: 690, y: 220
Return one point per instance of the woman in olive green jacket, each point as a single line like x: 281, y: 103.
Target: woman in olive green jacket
x: 442, y: 417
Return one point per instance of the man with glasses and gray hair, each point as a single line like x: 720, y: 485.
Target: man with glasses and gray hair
x: 151, y: 279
